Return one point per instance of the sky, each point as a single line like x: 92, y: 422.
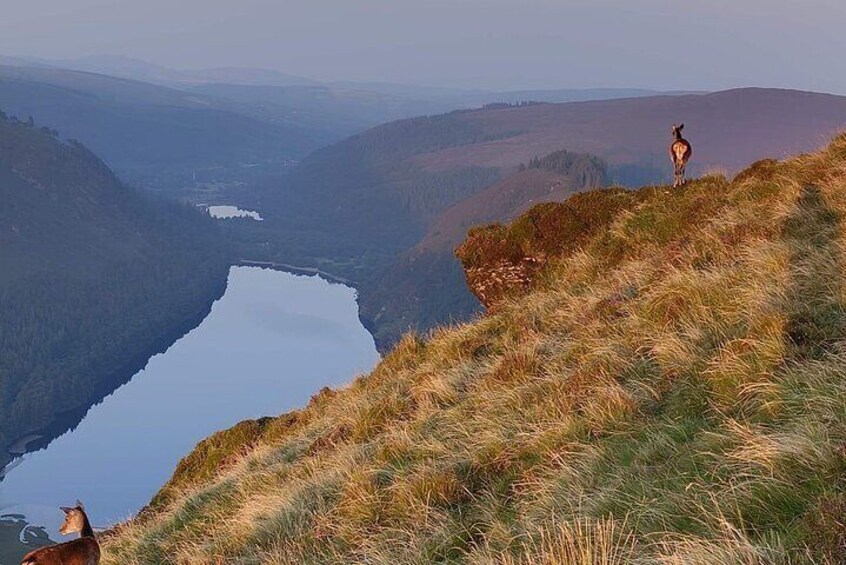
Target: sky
x: 494, y: 44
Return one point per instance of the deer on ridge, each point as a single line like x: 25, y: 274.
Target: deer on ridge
x: 680, y: 152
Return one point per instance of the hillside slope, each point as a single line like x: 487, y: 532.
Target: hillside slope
x: 355, y: 208
x: 424, y: 287
x: 663, y: 382
x: 94, y: 278
x: 151, y: 134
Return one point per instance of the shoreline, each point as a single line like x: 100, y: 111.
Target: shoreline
x: 296, y: 270
x: 40, y: 437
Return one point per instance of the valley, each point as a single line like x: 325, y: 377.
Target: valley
x: 268, y: 344
x: 364, y: 208
x: 247, y: 248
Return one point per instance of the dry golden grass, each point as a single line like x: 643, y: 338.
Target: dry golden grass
x: 584, y: 542
x: 674, y: 391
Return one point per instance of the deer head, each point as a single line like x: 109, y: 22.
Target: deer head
x: 75, y: 519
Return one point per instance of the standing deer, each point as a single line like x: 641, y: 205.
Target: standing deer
x: 82, y: 551
x: 680, y: 152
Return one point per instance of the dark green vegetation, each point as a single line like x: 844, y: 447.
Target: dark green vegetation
x: 372, y: 207
x: 94, y: 278
x: 425, y: 287
x: 666, y: 385
x: 502, y: 261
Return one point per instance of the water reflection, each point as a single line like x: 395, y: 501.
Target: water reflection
x: 224, y: 212
x: 271, y: 342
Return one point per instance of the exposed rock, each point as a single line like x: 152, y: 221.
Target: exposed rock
x: 502, y: 262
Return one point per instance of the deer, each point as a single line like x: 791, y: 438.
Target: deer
x: 680, y: 152
x: 82, y: 551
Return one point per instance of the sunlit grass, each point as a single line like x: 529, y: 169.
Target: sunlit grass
x: 671, y: 390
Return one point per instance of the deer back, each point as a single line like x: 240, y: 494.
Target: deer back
x: 680, y: 151
x: 82, y: 551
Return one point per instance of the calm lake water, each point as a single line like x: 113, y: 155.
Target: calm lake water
x: 269, y: 343
x: 224, y: 212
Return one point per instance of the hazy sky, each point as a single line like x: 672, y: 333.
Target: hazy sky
x: 681, y: 44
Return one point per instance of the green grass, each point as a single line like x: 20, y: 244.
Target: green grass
x: 667, y: 387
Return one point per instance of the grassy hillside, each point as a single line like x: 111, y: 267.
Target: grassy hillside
x: 666, y: 387
x: 357, y: 208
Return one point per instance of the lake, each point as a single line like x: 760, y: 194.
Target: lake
x: 271, y: 341
x: 225, y: 212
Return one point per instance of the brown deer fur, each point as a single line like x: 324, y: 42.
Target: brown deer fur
x: 680, y: 152
x: 82, y: 551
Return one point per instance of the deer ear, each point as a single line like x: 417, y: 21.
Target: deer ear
x: 79, y: 504
x: 681, y: 126
x: 65, y: 509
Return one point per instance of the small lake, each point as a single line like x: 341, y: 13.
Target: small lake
x: 225, y: 212
x: 269, y: 343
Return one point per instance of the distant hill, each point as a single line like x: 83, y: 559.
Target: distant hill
x: 447, y: 98
x: 458, y: 98
x: 137, y: 69
x: 157, y: 136
x: 201, y: 135
x: 355, y: 207
x: 352, y: 107
x: 344, y: 110
x: 729, y: 129
x: 94, y: 278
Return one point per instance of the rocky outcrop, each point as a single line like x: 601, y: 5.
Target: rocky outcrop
x: 494, y: 283
x: 504, y: 261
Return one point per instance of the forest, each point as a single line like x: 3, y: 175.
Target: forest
x: 94, y: 278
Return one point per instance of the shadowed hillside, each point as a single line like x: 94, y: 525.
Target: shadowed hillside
x: 94, y: 278
x: 664, y: 383
x: 425, y: 288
